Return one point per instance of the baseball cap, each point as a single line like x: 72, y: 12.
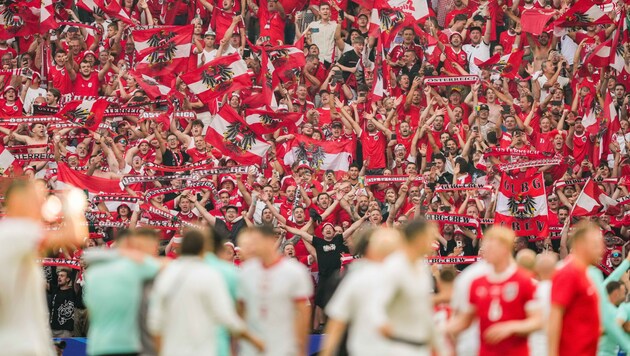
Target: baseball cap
x: 337, y: 124
x: 484, y: 107
x: 455, y: 34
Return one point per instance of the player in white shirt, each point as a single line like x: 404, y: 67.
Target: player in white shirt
x: 24, y: 327
x: 402, y: 306
x: 274, y: 294
x: 544, y: 268
x: 189, y: 301
x: 348, y: 307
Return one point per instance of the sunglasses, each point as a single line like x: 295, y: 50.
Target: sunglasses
x: 124, y: 142
x: 615, y: 255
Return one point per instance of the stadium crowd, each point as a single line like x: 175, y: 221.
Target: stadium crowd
x: 212, y: 126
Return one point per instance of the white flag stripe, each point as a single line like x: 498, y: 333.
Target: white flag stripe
x: 259, y: 148
x: 238, y: 68
x: 6, y: 159
x: 336, y: 162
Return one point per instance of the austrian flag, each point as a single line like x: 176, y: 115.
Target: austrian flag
x: 152, y: 87
x: 218, y: 76
x: 522, y: 205
x: 264, y: 122
x: 231, y: 135
x: 85, y: 113
x: 320, y: 155
x: 163, y: 50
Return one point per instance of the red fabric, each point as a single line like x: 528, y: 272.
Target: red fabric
x: 92, y: 184
x: 574, y: 291
x: 535, y: 20
x: 218, y: 77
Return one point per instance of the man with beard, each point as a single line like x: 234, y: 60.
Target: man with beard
x: 88, y: 82
x: 230, y: 227
x: 479, y: 47
x: 456, y: 61
x: 540, y: 50
x: 579, y: 141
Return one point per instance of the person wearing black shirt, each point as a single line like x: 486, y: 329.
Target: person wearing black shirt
x: 328, y: 250
x: 349, y: 60
x: 172, y: 155
x: 62, y: 304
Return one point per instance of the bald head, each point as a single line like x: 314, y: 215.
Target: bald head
x: 526, y: 259
x: 546, y: 265
x: 383, y: 242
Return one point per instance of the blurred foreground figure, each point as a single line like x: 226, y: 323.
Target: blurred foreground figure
x: 24, y: 327
x: 402, y: 307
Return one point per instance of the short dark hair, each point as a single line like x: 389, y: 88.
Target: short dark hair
x: 123, y: 235
x: 415, y: 228
x: 354, y: 165
x: 439, y: 157
x: 265, y: 230
x: 192, y: 243
x: 613, y: 286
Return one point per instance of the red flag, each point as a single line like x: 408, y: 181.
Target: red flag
x: 109, y: 9
x: 600, y: 57
x: 380, y: 84
x: 229, y: 133
x: 389, y: 22
x: 507, y: 65
x: 321, y: 155
x: 583, y: 13
x: 592, y: 200
x: 93, y: 185
x: 287, y: 62
x: 620, y: 38
x: 86, y: 113
x: 522, y: 205
x: 164, y: 50
x: 47, y: 16
x: 534, y: 21
x: 264, y: 122
x: 218, y: 76
x: 152, y: 87
x: 416, y: 9
x: 19, y: 19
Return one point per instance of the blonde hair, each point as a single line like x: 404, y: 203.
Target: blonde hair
x: 502, y: 234
x: 580, y: 231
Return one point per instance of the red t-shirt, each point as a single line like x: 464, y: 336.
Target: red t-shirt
x: 271, y: 24
x: 60, y: 79
x: 374, y: 147
x: 221, y: 21
x: 574, y: 291
x: 87, y: 87
x: 497, y: 302
x: 582, y: 147
x: 452, y: 56
x: 543, y: 141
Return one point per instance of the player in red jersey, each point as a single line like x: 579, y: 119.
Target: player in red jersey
x: 574, y: 322
x: 502, y: 300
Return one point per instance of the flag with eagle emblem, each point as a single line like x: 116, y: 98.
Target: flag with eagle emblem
x: 522, y: 205
x: 287, y: 61
x: 583, y: 13
x: 600, y: 57
x: 218, y: 76
x: 84, y: 113
x: 264, y: 122
x: 19, y: 18
x: 321, y: 155
x: 163, y: 50
x: 152, y: 87
x: 619, y: 40
x: 230, y: 134
x: 387, y: 23
x: 108, y: 9
x: 506, y: 66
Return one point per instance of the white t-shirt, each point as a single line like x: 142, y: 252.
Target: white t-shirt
x: 468, y: 340
x: 538, y: 339
x: 543, y: 79
x: 403, y: 301
x: 24, y: 328
x: 29, y: 98
x: 189, y: 301
x: 323, y: 35
x: 480, y: 51
x: 269, y: 294
x: 350, y: 304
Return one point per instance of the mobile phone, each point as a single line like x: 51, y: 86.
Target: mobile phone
x: 506, y: 108
x: 246, y: 52
x: 556, y: 103
x: 393, y: 136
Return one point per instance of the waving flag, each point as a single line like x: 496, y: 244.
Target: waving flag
x: 47, y: 16
x: 85, y: 113
x: 321, y: 155
x: 264, y: 122
x: 583, y: 13
x: 592, y: 200
x: 152, y: 87
x: 230, y: 134
x: 507, y: 65
x: 535, y: 20
x: 164, y: 50
x: 218, y: 76
x: 388, y: 22
x: 522, y: 205
x: 287, y: 61
x: 380, y: 83
x: 109, y: 9
x: 417, y: 9
x: 19, y: 19
x: 94, y: 185
x: 619, y: 39
x: 6, y: 159
x: 600, y: 57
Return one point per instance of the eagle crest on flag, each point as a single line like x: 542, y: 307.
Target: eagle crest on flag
x: 238, y: 144
x: 81, y: 116
x: 579, y: 17
x: 149, y: 81
x: 522, y: 207
x: 217, y: 77
x: 268, y: 120
x: 279, y: 57
x: 164, y: 47
x: 11, y: 18
x: 389, y: 19
x: 312, y: 153
x: 503, y: 67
